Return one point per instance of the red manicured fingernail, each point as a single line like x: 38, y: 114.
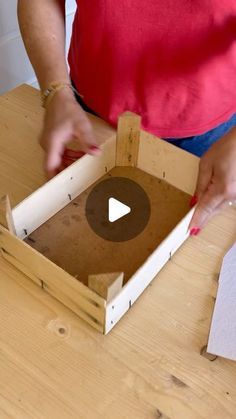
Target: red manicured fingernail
x: 94, y: 148
x: 194, y: 231
x: 193, y: 201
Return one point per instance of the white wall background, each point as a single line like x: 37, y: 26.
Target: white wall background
x: 15, y: 67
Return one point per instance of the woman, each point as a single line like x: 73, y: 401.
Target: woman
x: 174, y: 63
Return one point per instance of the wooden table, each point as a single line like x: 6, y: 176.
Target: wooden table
x: 54, y: 366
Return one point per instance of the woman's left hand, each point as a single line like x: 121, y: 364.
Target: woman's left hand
x: 216, y: 183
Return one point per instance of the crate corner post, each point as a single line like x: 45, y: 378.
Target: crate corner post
x: 6, y: 218
x: 127, y: 142
x: 107, y: 285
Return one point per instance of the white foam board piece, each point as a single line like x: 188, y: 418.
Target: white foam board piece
x: 222, y: 338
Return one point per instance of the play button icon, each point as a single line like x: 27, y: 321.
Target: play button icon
x: 117, y: 209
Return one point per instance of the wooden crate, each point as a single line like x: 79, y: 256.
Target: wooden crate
x: 106, y: 286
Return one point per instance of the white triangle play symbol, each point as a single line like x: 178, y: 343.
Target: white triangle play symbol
x: 117, y: 209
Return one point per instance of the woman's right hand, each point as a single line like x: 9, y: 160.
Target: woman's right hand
x: 65, y: 121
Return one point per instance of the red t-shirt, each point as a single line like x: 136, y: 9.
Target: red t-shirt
x: 172, y: 62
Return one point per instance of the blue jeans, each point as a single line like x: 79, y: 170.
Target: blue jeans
x: 199, y: 144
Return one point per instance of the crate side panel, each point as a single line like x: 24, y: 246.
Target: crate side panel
x: 147, y: 272
x: 20, y: 267
x: 52, y: 278
x: 58, y: 192
x: 165, y: 161
x: 54, y: 293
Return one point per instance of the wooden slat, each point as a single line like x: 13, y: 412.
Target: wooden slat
x: 58, y: 192
x: 141, y: 279
x: 57, y: 282
x: 107, y: 285
x: 6, y: 219
x: 165, y: 161
x: 73, y: 303
x: 53, y: 292
x: 128, y: 133
x: 22, y: 268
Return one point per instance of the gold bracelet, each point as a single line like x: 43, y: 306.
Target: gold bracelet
x: 48, y: 94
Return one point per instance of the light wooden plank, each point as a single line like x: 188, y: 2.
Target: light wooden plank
x: 168, y: 162
x: 128, y: 133
x: 59, y: 191
x: 53, y: 279
x: 21, y: 267
x: 73, y: 303
x: 141, y: 279
x: 107, y: 285
x: 54, y: 292
x: 222, y: 338
x: 6, y: 219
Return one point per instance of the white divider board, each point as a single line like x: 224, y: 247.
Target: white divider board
x: 117, y: 307
x: 58, y: 192
x: 222, y: 338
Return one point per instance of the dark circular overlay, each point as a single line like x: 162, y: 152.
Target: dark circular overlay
x: 129, y: 193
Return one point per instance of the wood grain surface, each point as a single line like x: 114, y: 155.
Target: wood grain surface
x: 54, y: 366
